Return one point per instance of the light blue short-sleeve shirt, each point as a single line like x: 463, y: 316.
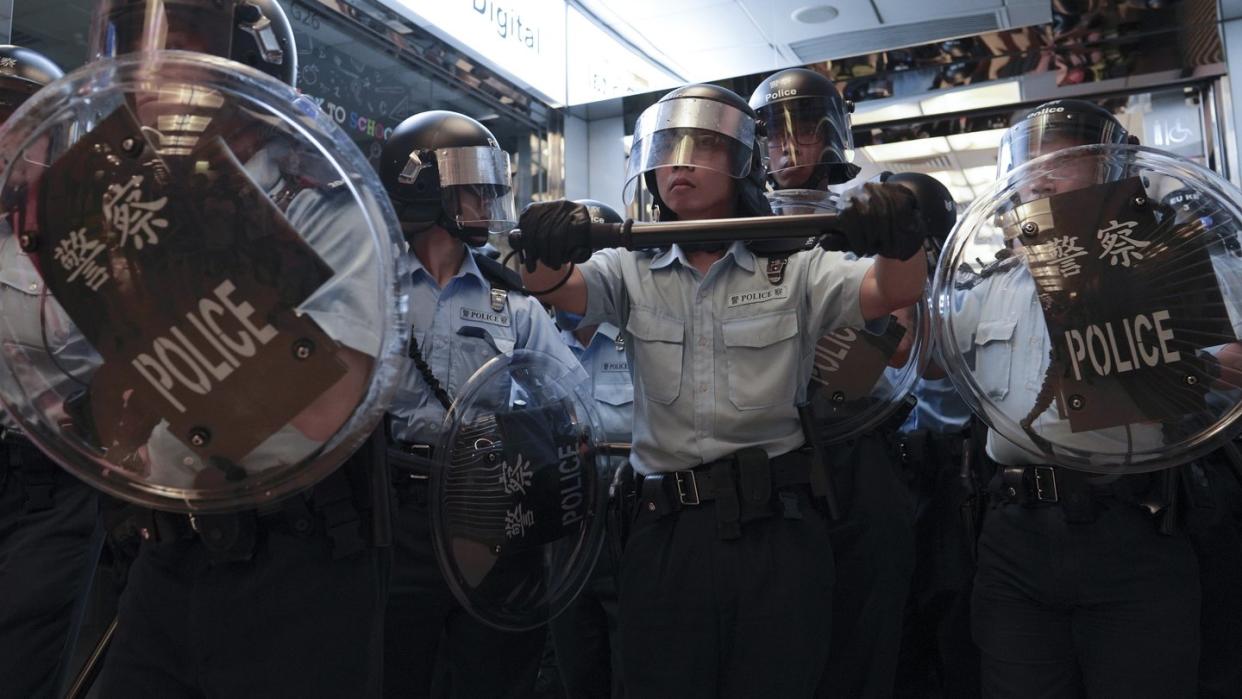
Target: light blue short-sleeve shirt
x: 720, y: 361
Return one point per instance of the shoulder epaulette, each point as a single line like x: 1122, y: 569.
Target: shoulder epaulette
x: 498, y: 275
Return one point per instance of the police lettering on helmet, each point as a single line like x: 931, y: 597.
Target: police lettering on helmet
x: 807, y: 125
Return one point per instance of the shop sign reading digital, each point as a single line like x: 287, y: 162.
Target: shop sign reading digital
x: 523, y: 38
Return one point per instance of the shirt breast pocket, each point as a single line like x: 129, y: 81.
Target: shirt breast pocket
x: 762, y: 354
x: 472, y: 351
x: 615, y: 394
x: 20, y: 288
x: 993, y: 356
x: 658, y: 345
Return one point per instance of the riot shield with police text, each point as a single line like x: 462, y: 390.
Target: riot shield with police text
x: 202, y: 310
x: 1090, y: 325
x: 519, y: 490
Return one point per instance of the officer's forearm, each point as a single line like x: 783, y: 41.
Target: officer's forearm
x: 570, y: 296
x: 892, y: 284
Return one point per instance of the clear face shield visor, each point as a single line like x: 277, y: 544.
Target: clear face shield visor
x: 1054, y: 131
x: 690, y: 132
x: 475, y: 186
x: 119, y: 27
x: 805, y: 132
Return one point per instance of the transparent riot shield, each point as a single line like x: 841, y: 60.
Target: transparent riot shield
x: 201, y: 308
x: 1089, y: 324
x: 520, y: 488
x: 861, y: 377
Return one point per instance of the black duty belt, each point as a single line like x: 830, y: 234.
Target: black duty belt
x: 742, y: 486
x: 1078, y: 493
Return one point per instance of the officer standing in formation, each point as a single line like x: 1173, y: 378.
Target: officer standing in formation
x: 808, y: 130
x: 1079, y: 590
x: 449, y: 182
x: 726, y: 579
x: 50, y: 531
x: 586, y: 636
x: 287, y: 600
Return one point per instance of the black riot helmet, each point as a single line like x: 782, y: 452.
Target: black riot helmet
x: 704, y: 126
x: 1058, y: 125
x: 807, y: 125
x: 600, y: 212
x: 254, y: 32
x: 444, y: 168
x: 22, y: 73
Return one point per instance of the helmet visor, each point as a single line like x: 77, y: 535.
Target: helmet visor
x: 690, y: 132
x: 1051, y: 131
x: 475, y: 188
x: 804, y: 132
x: 129, y: 26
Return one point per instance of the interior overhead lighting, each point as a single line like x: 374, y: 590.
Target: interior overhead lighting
x: 977, y: 140
x: 950, y: 178
x: 815, y: 14
x: 981, y: 175
x: 981, y: 97
x: 889, y: 112
x: 962, y: 195
x: 996, y: 94
x: 919, y: 149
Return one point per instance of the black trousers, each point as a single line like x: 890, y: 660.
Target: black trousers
x: 1214, y: 523
x: 586, y: 636
x: 433, y: 647
x: 1103, y: 609
x: 292, y: 622
x: 48, y: 553
x: 871, y: 587
x: 938, y: 656
x: 703, y: 617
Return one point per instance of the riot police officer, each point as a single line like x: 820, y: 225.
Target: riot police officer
x: 1080, y: 591
x: 449, y: 183
x: 810, y: 147
x: 50, y: 534
x: 586, y: 635
x: 726, y: 577
x: 286, y: 599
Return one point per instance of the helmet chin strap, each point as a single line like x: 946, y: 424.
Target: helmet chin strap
x: 474, y: 237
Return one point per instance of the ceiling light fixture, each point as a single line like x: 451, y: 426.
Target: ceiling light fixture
x: 815, y: 14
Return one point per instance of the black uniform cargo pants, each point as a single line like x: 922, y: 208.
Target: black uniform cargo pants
x: 873, y: 546
x: 1102, y: 609
x: 706, y: 617
x: 50, y: 537
x: 294, y: 621
x: 433, y: 647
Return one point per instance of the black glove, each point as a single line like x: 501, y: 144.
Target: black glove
x: 878, y: 219
x: 554, y: 233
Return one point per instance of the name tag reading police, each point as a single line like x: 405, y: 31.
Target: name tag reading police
x: 1128, y: 297
x: 746, y: 298
x: 184, y: 277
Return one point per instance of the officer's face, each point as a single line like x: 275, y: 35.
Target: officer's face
x: 792, y: 157
x: 696, y: 192
x: 1069, y: 174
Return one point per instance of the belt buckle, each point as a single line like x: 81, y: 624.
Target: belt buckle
x: 1045, y: 483
x: 682, y: 494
